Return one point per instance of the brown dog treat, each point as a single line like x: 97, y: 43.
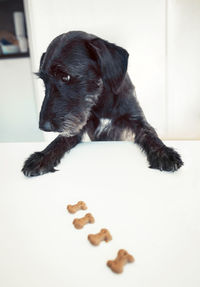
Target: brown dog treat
x: 74, y: 208
x: 80, y: 222
x: 103, y: 235
x: 122, y: 258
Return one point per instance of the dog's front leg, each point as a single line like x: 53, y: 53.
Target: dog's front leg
x: 158, y: 154
x: 42, y: 162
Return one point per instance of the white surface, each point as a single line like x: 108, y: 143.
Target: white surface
x: 183, y: 68
x: 154, y: 215
x: 18, y: 117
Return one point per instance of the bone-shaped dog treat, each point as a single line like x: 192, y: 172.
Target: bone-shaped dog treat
x: 103, y: 235
x: 74, y: 208
x: 122, y: 258
x: 80, y: 222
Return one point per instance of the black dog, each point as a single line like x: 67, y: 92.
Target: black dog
x: 86, y: 81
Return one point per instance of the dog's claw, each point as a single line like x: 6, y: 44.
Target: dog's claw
x: 53, y: 170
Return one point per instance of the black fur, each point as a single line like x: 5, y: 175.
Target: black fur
x: 86, y: 80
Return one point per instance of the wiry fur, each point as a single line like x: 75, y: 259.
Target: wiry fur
x: 86, y: 82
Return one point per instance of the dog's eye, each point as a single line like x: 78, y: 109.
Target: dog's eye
x: 66, y: 79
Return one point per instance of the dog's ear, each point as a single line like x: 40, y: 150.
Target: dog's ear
x: 41, y: 59
x: 112, y: 61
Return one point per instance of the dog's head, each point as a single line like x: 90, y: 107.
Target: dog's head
x: 76, y: 68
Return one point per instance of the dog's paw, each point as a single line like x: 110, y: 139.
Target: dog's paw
x: 38, y: 163
x: 165, y: 159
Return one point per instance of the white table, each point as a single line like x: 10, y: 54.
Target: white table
x: 154, y: 215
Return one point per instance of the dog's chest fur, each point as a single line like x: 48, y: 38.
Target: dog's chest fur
x: 104, y: 124
x: 106, y: 130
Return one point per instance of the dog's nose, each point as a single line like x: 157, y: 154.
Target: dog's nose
x: 46, y: 126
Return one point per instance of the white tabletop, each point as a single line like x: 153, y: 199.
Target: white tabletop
x: 154, y: 215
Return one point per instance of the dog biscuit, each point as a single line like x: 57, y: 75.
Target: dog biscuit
x: 103, y: 235
x: 80, y: 222
x: 74, y: 208
x: 122, y: 258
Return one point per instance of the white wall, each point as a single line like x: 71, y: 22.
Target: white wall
x: 184, y: 69
x: 18, y: 117
x: 146, y: 28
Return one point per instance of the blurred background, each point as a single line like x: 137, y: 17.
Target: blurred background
x: 161, y: 36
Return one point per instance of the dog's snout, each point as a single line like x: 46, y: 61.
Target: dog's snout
x: 47, y: 126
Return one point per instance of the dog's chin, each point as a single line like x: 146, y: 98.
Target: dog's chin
x: 71, y: 132
x: 68, y: 133
x: 74, y: 125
